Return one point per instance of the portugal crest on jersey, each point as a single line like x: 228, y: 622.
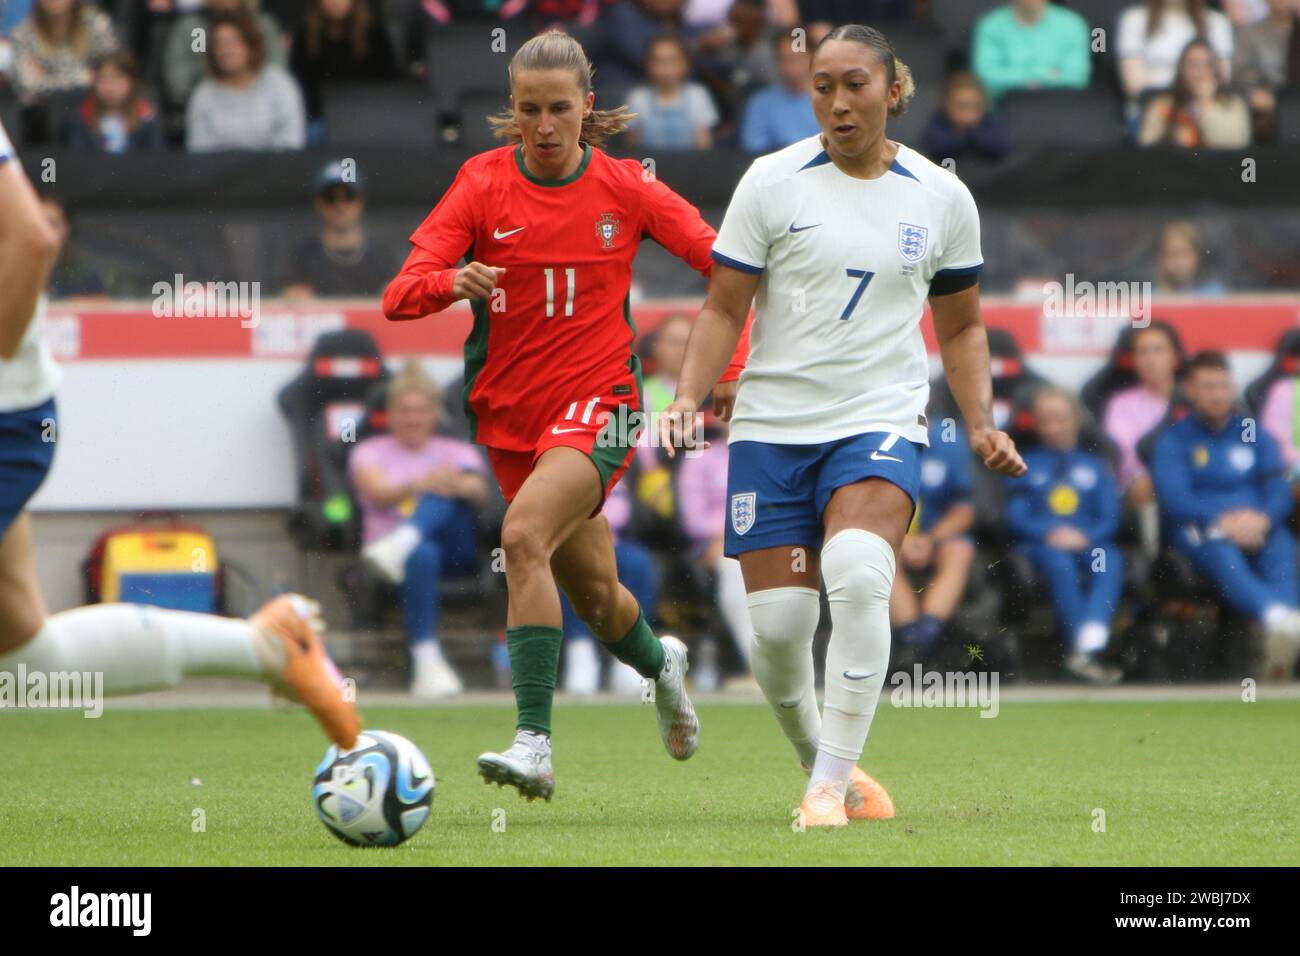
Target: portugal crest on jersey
x: 742, y: 512
x: 607, y: 228
x: 912, y: 241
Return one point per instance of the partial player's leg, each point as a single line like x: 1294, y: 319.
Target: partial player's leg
x: 139, y: 648
x: 560, y: 492
x: 584, y: 565
x: 864, y: 526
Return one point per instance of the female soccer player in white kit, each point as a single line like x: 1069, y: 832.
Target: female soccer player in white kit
x: 133, y: 647
x: 843, y: 236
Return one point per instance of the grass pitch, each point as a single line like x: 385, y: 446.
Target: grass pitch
x: 1179, y: 783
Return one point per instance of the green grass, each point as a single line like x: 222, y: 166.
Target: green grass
x: 1181, y: 783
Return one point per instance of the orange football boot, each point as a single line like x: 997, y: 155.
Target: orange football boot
x: 822, y: 807
x: 865, y: 799
x: 309, y: 676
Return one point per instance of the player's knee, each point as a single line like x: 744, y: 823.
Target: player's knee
x: 783, y: 617
x: 859, y: 568
x: 594, y: 602
x: 524, y: 547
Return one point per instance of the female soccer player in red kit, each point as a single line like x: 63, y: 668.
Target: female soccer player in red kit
x: 549, y: 226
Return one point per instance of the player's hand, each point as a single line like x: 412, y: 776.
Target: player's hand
x: 476, y: 281
x: 724, y: 399
x: 998, y: 452
x: 681, y: 426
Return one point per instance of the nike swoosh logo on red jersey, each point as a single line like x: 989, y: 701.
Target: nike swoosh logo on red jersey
x: 498, y: 234
x: 557, y: 430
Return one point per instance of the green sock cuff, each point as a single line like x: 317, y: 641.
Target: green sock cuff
x: 534, y: 660
x: 640, y: 649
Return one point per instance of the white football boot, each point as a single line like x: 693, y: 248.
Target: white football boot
x: 678, y: 725
x: 526, y: 766
x: 1282, y: 647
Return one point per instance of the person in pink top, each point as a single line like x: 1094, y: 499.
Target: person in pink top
x: 418, y: 491
x: 1280, y: 417
x: 1131, y: 414
x: 702, y: 511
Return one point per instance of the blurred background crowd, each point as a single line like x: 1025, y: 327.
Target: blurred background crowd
x: 1093, y: 134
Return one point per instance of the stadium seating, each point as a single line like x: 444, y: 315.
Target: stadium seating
x: 396, y: 114
x: 458, y: 59
x: 331, y: 389
x: 1034, y: 118
x: 1286, y: 361
x: 1288, y: 116
x: 473, y: 108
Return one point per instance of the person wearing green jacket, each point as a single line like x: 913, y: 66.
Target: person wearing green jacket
x: 1031, y: 44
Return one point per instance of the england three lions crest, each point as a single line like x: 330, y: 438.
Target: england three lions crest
x: 742, y: 512
x: 912, y: 241
x: 607, y: 228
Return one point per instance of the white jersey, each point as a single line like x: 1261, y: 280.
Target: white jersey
x: 30, y: 377
x: 836, y: 346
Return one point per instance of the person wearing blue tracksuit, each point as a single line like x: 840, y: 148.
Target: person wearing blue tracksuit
x: 938, y: 543
x: 1221, y: 483
x: 1065, y: 515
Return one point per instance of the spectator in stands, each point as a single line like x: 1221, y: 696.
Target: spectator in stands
x: 735, y: 59
x: 566, y: 14
x: 1199, y: 112
x: 342, y: 260
x: 672, y: 114
x: 75, y: 275
x: 56, y: 47
x: 1223, y: 491
x: 1152, y: 36
x: 702, y: 512
x: 938, y: 546
x: 12, y: 13
x: 184, y: 66
x: 115, y: 116
x: 963, y: 127
x: 1064, y: 514
x: 636, y: 570
x: 781, y: 114
x: 417, y: 492
x: 246, y: 102
x: 338, y: 41
x: 623, y: 38
x: 1267, y: 58
x: 1132, y: 412
x: 1180, y: 262
x: 1031, y: 45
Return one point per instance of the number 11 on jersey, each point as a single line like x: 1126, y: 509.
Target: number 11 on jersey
x: 550, y: 292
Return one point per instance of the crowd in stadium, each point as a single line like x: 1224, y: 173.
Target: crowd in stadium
x: 211, y: 75
x: 1100, y: 537
x: 232, y: 75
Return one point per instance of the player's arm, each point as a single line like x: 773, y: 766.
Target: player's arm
x: 964, y: 348
x: 713, y: 341
x: 28, y: 247
x: 429, y: 280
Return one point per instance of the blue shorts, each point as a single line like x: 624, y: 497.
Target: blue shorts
x: 25, y: 458
x: 776, y: 493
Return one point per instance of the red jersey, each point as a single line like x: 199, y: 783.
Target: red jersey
x: 557, y: 327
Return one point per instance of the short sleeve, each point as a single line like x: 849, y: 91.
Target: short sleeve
x: 363, y: 456
x: 704, y: 115
x: 1131, y: 41
x: 744, y: 238
x: 638, y: 102
x: 960, y: 254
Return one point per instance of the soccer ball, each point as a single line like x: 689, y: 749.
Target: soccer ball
x: 377, y: 794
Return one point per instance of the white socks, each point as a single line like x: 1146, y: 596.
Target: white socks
x: 139, y: 648
x: 734, y: 604
x: 784, y: 621
x: 858, y: 567
x: 1091, y: 638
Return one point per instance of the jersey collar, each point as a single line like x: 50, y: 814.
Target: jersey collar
x: 572, y: 177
